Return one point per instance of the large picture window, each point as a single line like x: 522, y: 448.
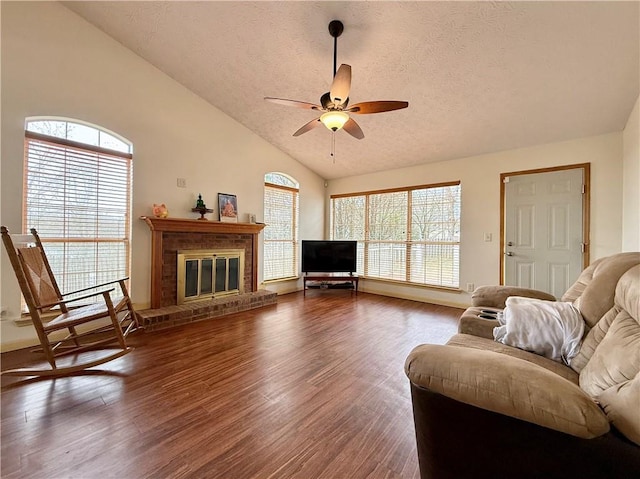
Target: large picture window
x: 410, y: 235
x: 281, y: 232
x: 77, y: 194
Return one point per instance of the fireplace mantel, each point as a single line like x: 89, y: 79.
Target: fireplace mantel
x: 161, y: 227
x: 185, y: 225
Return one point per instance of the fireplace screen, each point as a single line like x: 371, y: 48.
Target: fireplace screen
x: 209, y: 274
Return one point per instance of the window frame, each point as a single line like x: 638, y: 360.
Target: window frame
x: 291, y: 187
x: 407, y: 244
x: 38, y: 146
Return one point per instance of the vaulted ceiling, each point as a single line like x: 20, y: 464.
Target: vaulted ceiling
x: 479, y: 77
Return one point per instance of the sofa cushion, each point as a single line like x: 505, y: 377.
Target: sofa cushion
x: 506, y: 385
x: 612, y: 375
x: 594, y: 290
x: 621, y: 404
x: 592, y: 339
x: 469, y: 341
x: 616, y: 359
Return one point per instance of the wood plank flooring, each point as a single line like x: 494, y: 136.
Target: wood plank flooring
x: 310, y: 388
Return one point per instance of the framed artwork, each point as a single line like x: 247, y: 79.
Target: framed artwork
x: 228, y: 207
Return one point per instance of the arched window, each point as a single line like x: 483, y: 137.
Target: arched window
x: 77, y: 194
x: 281, y: 232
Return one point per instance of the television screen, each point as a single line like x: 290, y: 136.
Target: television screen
x: 329, y: 256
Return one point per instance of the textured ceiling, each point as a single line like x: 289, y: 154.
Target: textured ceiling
x: 479, y: 77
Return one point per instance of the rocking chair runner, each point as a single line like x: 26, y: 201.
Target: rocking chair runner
x: 97, y: 343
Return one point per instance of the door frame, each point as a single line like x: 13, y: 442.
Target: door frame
x: 586, y: 205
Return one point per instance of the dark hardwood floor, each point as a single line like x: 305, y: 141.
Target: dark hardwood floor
x: 311, y: 388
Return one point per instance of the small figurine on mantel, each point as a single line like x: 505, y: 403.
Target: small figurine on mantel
x: 201, y: 208
x: 160, y: 210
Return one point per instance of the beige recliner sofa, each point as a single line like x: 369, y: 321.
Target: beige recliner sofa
x: 483, y: 409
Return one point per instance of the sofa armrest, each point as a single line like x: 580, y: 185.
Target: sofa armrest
x: 495, y: 296
x: 508, y: 386
x: 471, y: 323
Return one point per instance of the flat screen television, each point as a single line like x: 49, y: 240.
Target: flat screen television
x: 329, y: 256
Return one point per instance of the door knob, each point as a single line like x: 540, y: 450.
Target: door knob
x: 508, y: 253
x: 510, y: 243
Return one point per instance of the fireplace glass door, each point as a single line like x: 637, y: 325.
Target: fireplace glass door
x: 209, y: 274
x: 227, y: 274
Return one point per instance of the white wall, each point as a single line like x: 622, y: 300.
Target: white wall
x: 55, y: 63
x: 631, y: 182
x: 480, y: 184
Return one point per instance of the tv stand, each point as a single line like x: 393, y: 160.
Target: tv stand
x: 330, y: 278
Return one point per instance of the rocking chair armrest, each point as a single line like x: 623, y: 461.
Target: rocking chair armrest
x: 66, y: 301
x: 96, y: 286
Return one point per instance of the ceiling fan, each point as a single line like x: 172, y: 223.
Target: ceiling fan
x: 335, y: 102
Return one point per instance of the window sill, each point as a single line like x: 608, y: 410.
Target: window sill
x: 25, y: 318
x: 281, y: 280
x: 449, y: 289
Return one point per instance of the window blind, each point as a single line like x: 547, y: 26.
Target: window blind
x: 348, y: 222
x: 78, y: 198
x: 281, y: 232
x: 408, y: 234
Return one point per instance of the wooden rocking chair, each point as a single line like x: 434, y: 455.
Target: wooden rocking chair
x: 92, y: 334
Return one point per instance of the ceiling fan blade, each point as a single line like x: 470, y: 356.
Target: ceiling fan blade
x: 341, y: 85
x: 308, y: 126
x: 353, y: 129
x: 377, y: 107
x: 294, y: 103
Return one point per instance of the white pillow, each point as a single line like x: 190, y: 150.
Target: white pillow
x: 550, y: 328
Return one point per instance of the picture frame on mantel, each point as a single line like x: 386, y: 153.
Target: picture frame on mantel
x: 228, y: 208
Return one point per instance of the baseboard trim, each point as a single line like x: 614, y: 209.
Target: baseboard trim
x: 439, y: 302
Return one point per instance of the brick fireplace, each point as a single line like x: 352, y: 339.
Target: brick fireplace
x: 171, y: 235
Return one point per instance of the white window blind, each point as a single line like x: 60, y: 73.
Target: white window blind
x: 348, y: 222
x: 410, y: 235
x: 77, y: 196
x: 281, y: 230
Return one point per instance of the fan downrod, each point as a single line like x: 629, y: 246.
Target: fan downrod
x: 335, y: 29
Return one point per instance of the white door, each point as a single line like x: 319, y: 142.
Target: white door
x: 543, y: 242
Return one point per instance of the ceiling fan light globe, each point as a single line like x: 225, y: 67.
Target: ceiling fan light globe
x: 334, y: 120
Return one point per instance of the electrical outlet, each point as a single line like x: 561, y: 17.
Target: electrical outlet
x: 470, y: 287
x: 181, y: 182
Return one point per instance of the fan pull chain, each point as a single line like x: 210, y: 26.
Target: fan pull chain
x: 333, y: 146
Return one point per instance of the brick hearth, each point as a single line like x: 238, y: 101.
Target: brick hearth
x: 170, y: 316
